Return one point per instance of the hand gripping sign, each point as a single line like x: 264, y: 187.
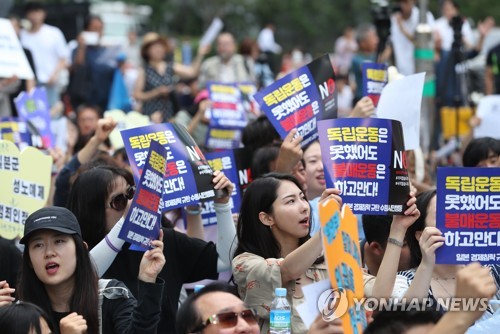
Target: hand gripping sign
x: 364, y: 158
x: 468, y: 215
x: 143, y: 221
x: 188, y: 176
x: 301, y: 99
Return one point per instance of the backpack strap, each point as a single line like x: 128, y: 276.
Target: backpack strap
x: 102, y: 285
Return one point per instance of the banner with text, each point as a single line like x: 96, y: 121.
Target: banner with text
x: 301, y: 99
x: 25, y: 180
x: 227, y: 116
x: 188, y: 177
x: 374, y: 80
x: 468, y: 215
x: 365, y: 159
x: 21, y: 133
x: 235, y: 166
x: 143, y: 221
x: 33, y: 107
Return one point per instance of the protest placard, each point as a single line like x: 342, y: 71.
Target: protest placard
x: 235, y: 167
x: 13, y: 61
x: 401, y: 100
x: 227, y: 116
x: 300, y: 99
x: 19, y: 132
x: 488, y: 111
x: 124, y: 121
x: 143, y: 221
x: 25, y: 180
x: 365, y: 159
x: 374, y: 80
x: 468, y: 215
x: 342, y: 254
x: 33, y: 107
x: 188, y: 177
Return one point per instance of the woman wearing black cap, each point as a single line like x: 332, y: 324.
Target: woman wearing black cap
x: 58, y: 276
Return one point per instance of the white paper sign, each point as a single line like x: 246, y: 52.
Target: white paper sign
x: 212, y: 32
x: 401, y: 100
x: 13, y: 61
x: 488, y: 111
x: 308, y: 310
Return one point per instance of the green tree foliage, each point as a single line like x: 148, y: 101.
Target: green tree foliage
x: 311, y: 24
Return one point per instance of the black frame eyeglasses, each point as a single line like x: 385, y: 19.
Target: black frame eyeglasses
x: 119, y: 202
x: 229, y: 319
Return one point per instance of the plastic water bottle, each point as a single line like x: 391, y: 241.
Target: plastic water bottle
x: 280, y: 319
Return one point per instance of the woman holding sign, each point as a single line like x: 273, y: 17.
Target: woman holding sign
x: 100, y: 197
x: 426, y: 279
x: 274, y: 247
x: 57, y: 275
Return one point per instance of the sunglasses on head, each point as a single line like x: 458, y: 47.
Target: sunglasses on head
x: 229, y: 319
x: 119, y: 202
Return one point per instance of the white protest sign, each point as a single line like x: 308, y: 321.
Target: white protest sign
x: 308, y: 310
x: 212, y: 32
x: 124, y: 121
x: 488, y: 111
x: 13, y: 61
x: 401, y: 100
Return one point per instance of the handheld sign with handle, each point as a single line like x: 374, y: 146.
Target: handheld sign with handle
x: 142, y: 224
x: 468, y: 215
x: 188, y: 176
x: 374, y: 80
x: 301, y: 99
x: 343, y: 257
x: 365, y: 159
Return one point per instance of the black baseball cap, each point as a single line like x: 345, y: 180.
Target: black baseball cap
x: 51, y: 218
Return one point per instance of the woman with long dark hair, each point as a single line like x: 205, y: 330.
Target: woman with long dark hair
x: 274, y: 247
x: 103, y: 184
x: 99, y: 199
x: 24, y: 318
x: 57, y: 275
x: 427, y: 279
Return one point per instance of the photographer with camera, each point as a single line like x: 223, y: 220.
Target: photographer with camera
x: 454, y: 45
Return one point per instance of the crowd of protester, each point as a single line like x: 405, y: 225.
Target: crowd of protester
x: 70, y: 273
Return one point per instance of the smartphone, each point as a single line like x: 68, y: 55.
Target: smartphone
x: 90, y: 37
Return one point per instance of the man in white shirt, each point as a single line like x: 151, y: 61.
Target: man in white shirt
x: 266, y: 40
x: 403, y: 28
x: 444, y: 31
x: 49, y: 49
x: 268, y: 45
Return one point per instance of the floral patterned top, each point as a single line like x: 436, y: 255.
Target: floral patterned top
x: 257, y: 278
